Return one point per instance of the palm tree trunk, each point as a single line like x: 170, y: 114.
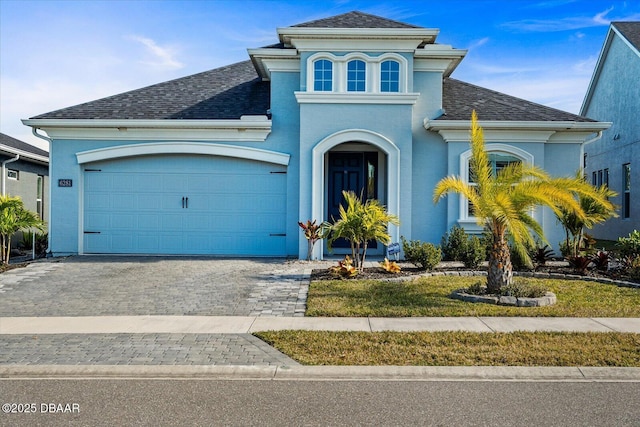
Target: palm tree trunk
x: 364, y: 255
x: 3, y: 250
x: 500, y: 270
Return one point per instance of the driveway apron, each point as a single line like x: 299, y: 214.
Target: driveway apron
x: 131, y: 286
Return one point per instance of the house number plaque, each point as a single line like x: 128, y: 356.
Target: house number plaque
x: 65, y: 183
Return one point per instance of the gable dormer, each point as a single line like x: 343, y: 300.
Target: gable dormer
x: 356, y: 57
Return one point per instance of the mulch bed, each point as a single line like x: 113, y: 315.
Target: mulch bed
x: 376, y: 273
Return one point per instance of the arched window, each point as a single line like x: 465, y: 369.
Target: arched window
x: 356, y: 76
x: 323, y: 75
x: 500, y: 156
x: 390, y: 76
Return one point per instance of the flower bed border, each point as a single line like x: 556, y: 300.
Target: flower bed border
x: 537, y: 275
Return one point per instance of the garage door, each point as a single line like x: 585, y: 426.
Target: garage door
x: 184, y: 204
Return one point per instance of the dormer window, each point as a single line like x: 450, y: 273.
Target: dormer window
x: 390, y: 76
x: 356, y: 76
x: 323, y: 75
x: 358, y: 72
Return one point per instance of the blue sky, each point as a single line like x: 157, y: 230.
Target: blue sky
x: 54, y: 54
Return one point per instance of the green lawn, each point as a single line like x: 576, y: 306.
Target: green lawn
x: 429, y: 296
x: 457, y: 348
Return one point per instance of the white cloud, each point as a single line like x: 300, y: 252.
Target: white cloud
x: 562, y: 24
x: 477, y: 43
x: 484, y: 68
x: 163, y: 56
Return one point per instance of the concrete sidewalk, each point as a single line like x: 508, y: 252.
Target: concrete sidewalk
x: 222, y: 347
x: 250, y: 324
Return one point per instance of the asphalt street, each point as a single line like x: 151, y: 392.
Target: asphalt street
x: 110, y: 402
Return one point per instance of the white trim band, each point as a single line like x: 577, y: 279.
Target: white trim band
x: 182, y: 148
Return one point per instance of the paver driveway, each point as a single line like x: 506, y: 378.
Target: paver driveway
x: 109, y: 285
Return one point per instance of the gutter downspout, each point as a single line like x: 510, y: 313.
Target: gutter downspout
x: 594, y: 139
x: 4, y: 174
x: 34, y: 131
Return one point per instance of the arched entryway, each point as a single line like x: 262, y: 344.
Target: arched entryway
x: 357, y: 160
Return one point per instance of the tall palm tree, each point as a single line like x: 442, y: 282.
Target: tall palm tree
x: 503, y: 201
x: 13, y: 218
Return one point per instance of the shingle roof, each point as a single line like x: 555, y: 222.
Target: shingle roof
x: 630, y: 30
x: 460, y: 98
x: 20, y: 145
x: 355, y: 19
x: 222, y: 93
x: 235, y: 90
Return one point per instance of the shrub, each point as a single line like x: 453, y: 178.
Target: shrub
x: 453, y: 244
x: 421, y: 254
x: 478, y: 288
x: 629, y: 246
x: 523, y: 289
x: 633, y: 268
x: 474, y: 252
x: 565, y: 249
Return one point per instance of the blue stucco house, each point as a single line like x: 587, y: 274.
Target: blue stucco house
x: 226, y: 162
x: 614, y: 96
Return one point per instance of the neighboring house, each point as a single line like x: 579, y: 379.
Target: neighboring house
x: 25, y: 173
x: 228, y: 161
x: 614, y: 96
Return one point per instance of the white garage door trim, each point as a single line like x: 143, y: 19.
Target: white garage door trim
x: 123, y: 152
x: 183, y: 148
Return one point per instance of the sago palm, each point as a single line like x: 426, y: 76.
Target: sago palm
x: 503, y: 202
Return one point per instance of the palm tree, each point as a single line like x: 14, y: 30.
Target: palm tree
x: 595, y: 213
x: 13, y: 218
x: 502, y: 202
x: 359, y: 223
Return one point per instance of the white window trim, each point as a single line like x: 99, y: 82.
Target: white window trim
x: 367, y: 74
x: 15, y: 173
x: 526, y: 157
x: 372, y: 76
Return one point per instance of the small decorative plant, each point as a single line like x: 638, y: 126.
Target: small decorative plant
x: 390, y: 266
x: 312, y: 232
x: 580, y: 264
x: 601, y: 260
x: 345, y: 268
x: 542, y: 254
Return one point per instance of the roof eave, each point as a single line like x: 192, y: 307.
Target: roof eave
x: 260, y: 55
x: 422, y: 36
x: 567, y: 126
x: 24, y: 155
x: 247, y: 128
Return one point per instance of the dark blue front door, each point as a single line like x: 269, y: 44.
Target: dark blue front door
x: 357, y: 172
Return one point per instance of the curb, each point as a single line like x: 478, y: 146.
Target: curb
x: 325, y: 373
